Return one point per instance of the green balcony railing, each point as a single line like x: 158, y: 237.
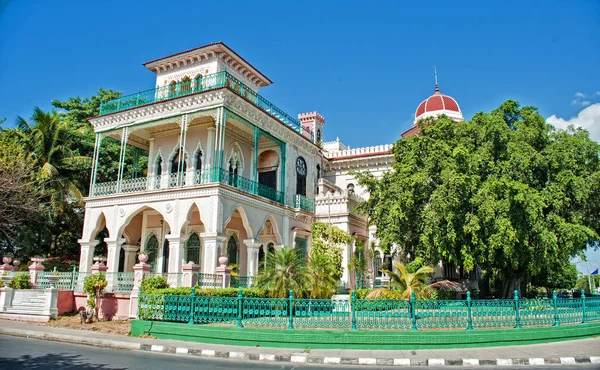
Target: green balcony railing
x: 208, y: 82
x: 366, y: 314
x: 302, y: 202
x: 207, y: 176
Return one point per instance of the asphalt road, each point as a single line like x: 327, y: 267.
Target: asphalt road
x: 34, y: 354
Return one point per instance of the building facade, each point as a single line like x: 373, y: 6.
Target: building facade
x: 229, y: 173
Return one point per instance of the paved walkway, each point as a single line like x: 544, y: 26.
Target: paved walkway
x: 568, y: 352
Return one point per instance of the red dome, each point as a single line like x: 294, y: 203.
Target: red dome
x: 438, y: 102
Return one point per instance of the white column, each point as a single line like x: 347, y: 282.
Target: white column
x: 211, y: 244
x: 346, y: 256
x: 210, y: 148
x: 176, y: 245
x: 253, y: 247
x: 129, y: 257
x: 87, y: 254
x: 112, y: 259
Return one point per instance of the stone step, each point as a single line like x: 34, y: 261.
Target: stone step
x: 22, y: 311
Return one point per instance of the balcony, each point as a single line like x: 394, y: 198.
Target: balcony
x: 208, y: 82
x: 208, y: 176
x: 302, y: 202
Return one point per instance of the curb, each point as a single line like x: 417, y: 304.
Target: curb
x: 299, y: 358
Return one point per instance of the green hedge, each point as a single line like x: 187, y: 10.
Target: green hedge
x: 211, y: 292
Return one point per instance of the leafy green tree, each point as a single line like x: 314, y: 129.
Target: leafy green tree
x: 404, y: 283
x: 583, y: 283
x: 49, y: 141
x: 504, y: 191
x: 328, y: 241
x: 285, y: 270
x: 561, y: 276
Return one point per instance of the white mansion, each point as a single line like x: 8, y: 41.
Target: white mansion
x: 228, y: 172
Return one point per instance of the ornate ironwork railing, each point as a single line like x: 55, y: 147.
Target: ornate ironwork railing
x: 65, y: 280
x: 121, y: 282
x: 209, y: 280
x: 302, y: 202
x: 241, y: 281
x: 208, y: 82
x: 353, y: 313
x: 207, y: 176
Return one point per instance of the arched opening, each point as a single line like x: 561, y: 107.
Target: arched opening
x: 233, y: 250
x: 262, y: 260
x: 158, y: 172
x: 198, y: 82
x: 186, y: 85
x: 151, y: 249
x: 235, y: 164
x: 318, y: 135
x: 172, y: 89
x: 350, y: 189
x: 178, y: 166
x: 192, y: 249
x: 121, y: 260
x: 165, y: 256
x: 268, y: 163
x: 301, y: 176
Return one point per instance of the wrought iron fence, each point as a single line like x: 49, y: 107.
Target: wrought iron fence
x: 65, y: 280
x: 209, y: 280
x: 212, y: 81
x: 241, y: 281
x: 364, y: 314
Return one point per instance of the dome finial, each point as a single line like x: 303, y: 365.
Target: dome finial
x: 437, y: 89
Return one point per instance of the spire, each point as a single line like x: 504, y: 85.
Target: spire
x: 437, y: 89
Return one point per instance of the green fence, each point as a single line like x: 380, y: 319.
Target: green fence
x: 352, y: 314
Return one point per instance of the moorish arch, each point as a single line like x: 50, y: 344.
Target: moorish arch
x: 270, y: 228
x: 129, y: 215
x: 244, y: 216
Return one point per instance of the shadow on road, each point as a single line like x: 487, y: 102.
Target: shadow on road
x: 52, y: 361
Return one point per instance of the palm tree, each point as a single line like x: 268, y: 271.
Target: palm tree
x: 403, y: 283
x: 321, y: 277
x: 285, y: 271
x: 49, y: 142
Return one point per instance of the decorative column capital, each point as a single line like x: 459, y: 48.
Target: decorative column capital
x: 252, y: 243
x: 218, y: 237
x: 88, y: 243
x: 114, y: 242
x: 176, y: 239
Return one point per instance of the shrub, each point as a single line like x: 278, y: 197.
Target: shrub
x: 20, y: 281
x: 212, y: 292
x: 93, y: 286
x: 151, y: 283
x: 362, y: 293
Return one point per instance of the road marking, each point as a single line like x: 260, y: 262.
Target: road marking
x: 157, y: 348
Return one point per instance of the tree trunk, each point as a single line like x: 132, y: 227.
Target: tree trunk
x: 509, y: 285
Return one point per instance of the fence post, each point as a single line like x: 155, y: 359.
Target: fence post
x: 469, y: 317
x: 192, y: 301
x: 353, y: 309
x: 73, y: 277
x: 413, y: 315
x: 291, y: 308
x: 517, y: 317
x: 584, y: 310
x: 239, y: 308
x: 554, y: 301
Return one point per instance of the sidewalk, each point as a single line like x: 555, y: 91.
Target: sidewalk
x: 569, y: 352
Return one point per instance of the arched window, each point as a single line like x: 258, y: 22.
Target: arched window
x: 318, y: 135
x: 318, y: 172
x: 151, y: 249
x: 192, y: 249
x: 186, y: 85
x: 121, y: 259
x: 235, y: 164
x: 165, y: 256
x: 268, y: 163
x: 172, y: 89
x: 261, y: 258
x: 350, y: 189
x: 233, y: 250
x: 175, y: 167
x: 198, y: 166
x: 159, y: 161
x: 300, y: 176
x: 198, y: 82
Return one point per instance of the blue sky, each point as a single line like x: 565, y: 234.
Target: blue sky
x: 363, y: 66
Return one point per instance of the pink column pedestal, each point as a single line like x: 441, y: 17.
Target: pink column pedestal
x: 224, y: 271
x: 139, y: 270
x: 190, y: 274
x: 6, y: 267
x: 34, y: 270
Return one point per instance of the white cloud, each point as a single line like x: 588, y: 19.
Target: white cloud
x: 585, y: 103
x: 579, y: 95
x: 588, y: 118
